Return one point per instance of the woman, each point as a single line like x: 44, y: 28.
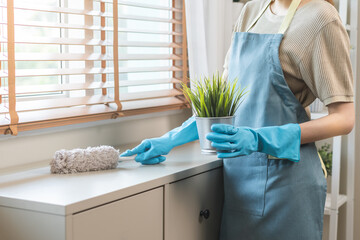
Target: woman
x: 287, y: 53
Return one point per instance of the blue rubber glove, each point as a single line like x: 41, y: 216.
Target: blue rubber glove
x: 150, y: 151
x: 278, y: 141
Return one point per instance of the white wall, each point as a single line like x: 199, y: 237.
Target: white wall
x: 221, y: 16
x: 37, y: 147
x: 357, y: 132
x: 215, y: 33
x: 209, y: 25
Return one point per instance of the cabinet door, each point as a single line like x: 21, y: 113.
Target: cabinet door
x: 187, y: 198
x: 136, y: 217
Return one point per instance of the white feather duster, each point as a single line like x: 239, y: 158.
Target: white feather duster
x: 84, y: 160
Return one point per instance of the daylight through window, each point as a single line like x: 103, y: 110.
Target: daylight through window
x: 65, y: 62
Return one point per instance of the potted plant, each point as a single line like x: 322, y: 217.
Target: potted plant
x: 326, y: 155
x: 213, y: 100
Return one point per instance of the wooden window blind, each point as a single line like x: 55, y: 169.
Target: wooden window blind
x: 65, y: 62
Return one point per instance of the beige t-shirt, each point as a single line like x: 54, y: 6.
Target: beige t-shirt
x: 314, y: 53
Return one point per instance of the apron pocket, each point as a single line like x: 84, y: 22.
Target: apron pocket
x: 245, y: 183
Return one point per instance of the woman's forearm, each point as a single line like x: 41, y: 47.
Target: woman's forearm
x: 340, y: 121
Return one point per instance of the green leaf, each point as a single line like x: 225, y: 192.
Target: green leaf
x: 214, y: 97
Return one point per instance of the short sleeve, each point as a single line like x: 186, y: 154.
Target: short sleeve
x: 325, y: 66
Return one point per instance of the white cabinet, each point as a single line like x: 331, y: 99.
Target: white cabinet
x: 19, y: 224
x: 135, y: 217
x: 194, y: 207
x: 189, y: 208
x: 132, y: 202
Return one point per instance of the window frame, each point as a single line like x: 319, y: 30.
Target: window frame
x: 152, y: 104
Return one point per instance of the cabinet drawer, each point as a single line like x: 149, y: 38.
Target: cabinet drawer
x: 190, y: 196
x: 136, y: 217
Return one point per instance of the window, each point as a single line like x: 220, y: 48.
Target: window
x: 65, y: 62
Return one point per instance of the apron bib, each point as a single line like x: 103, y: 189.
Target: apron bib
x: 267, y: 198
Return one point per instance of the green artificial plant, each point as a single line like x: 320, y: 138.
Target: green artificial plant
x: 326, y: 155
x: 214, y: 97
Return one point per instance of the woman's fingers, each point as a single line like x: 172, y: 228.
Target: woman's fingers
x: 141, y: 157
x: 127, y: 153
x: 221, y: 133
x: 145, y: 154
x: 223, y: 146
x: 224, y: 128
x: 142, y: 147
x: 154, y: 160
x: 219, y: 137
x: 151, y: 153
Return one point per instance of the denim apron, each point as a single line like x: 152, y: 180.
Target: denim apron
x: 268, y: 198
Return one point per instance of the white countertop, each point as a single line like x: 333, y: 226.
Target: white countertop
x: 38, y: 190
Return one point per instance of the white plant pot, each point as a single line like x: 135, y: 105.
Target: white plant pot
x: 204, y: 127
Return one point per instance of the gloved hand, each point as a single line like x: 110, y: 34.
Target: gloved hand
x: 149, y: 151
x: 278, y: 141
